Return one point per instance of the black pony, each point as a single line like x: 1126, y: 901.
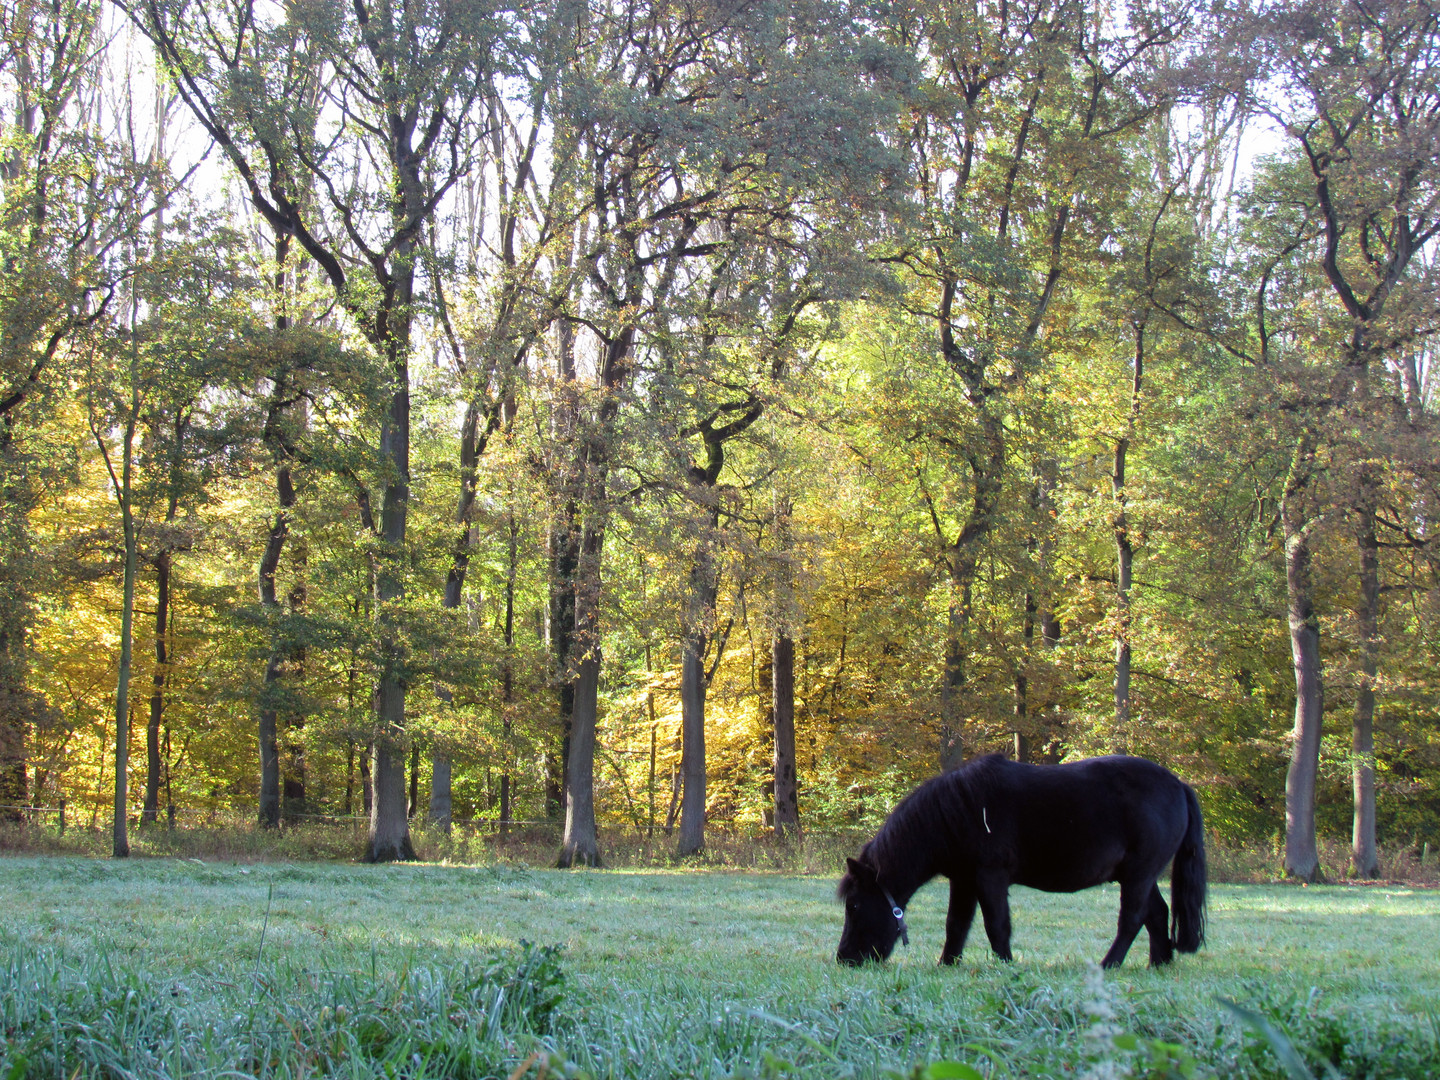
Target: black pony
x: 1060, y: 828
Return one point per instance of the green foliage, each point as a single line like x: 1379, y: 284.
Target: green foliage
x: 910, y: 264
x: 1295, y: 1040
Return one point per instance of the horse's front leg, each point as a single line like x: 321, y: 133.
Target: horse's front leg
x: 994, y: 896
x: 958, y: 919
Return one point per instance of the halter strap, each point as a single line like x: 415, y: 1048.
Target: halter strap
x: 899, y: 913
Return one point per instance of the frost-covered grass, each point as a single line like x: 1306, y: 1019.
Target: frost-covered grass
x: 156, y: 967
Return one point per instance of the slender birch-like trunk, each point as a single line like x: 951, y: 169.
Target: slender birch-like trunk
x: 1125, y: 550
x: 787, y: 800
x: 1363, y: 855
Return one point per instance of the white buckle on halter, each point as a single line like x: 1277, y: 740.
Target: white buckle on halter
x: 899, y: 913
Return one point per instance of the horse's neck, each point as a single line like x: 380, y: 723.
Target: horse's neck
x: 912, y: 886
x: 903, y: 876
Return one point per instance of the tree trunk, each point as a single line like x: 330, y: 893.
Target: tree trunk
x: 14, y: 621
x: 389, y: 839
x: 700, y: 616
x: 441, y: 791
x: 1302, y: 858
x: 786, y: 800
x: 564, y: 567
x: 692, y: 748
x: 292, y: 768
x: 281, y: 447
x: 169, y: 790
x: 1364, y: 858
x: 13, y: 778
x: 276, y: 790
x: 1124, y: 559
x: 700, y: 613
x: 367, y: 790
x: 507, y: 672
x: 650, y: 784
x: 269, y: 724
x: 414, y: 801
x: 270, y: 751
x: 581, y: 845
x: 349, y: 776
x: 952, y: 679
x: 1022, y: 680
x: 507, y: 690
x: 1050, y: 745
x: 292, y: 744
x: 153, y: 763
x: 1125, y: 551
x: 673, y: 808
x: 121, y: 484
x: 441, y: 806
x: 1121, y: 741
x: 787, y: 803
x: 563, y: 548
x: 987, y: 475
x: 120, y: 842
x: 389, y: 826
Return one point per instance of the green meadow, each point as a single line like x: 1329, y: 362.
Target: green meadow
x: 171, y: 968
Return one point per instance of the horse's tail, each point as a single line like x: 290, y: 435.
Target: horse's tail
x: 1187, y: 882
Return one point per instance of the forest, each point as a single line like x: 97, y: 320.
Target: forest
x: 717, y: 413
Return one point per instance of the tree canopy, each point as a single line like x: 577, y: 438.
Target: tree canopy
x: 665, y: 415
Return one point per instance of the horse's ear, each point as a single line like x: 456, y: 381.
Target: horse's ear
x: 859, y: 871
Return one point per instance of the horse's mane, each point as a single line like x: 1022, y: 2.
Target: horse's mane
x: 933, y: 809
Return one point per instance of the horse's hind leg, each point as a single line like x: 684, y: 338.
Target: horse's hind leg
x: 958, y: 919
x: 1157, y: 922
x: 1134, y: 912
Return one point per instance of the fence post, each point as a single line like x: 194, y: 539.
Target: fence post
x: 62, y: 815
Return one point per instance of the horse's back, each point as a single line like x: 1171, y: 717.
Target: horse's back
x: 1067, y: 827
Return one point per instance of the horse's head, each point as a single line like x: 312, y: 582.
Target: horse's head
x: 871, y: 926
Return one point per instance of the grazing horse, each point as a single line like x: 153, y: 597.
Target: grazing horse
x: 1061, y: 828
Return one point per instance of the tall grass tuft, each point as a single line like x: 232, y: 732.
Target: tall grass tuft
x: 99, y: 1015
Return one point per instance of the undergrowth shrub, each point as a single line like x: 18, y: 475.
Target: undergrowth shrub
x: 1297, y: 1037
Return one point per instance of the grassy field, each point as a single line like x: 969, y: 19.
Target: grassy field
x: 171, y: 967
